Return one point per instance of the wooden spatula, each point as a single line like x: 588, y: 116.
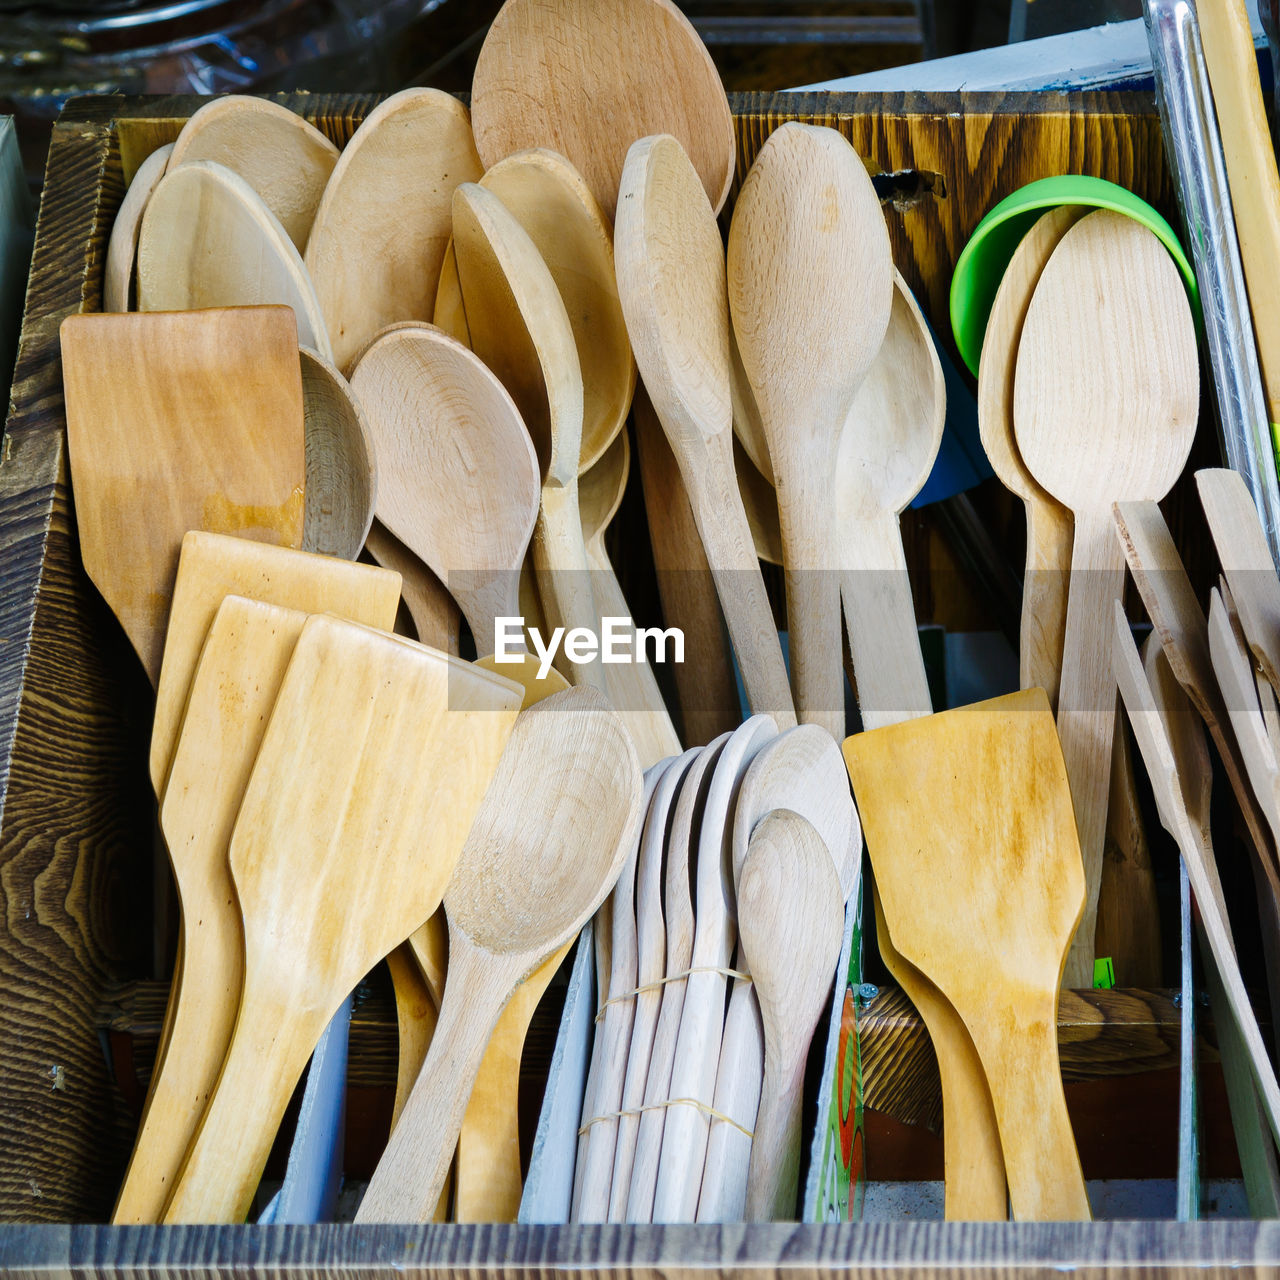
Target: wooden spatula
x: 373, y: 765
x: 533, y: 871
x: 969, y: 824
x: 174, y: 422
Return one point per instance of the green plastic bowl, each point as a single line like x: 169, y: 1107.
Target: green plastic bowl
x: 984, y: 259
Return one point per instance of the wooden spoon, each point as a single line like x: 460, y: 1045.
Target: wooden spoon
x: 1171, y: 801
x: 1049, y: 523
x: 237, y: 465
x: 458, y: 479
x: 374, y: 743
x: 520, y: 329
x: 632, y: 687
x: 548, y: 198
x: 678, y: 921
x: 984, y: 903
x: 697, y: 1053
x: 670, y: 262
x: 122, y: 247
x: 283, y: 158
x: 791, y: 918
x: 524, y: 886
x: 208, y: 240
x: 342, y: 477
x: 435, y: 615
x: 384, y: 220
x: 1106, y: 397
x: 810, y: 291
x: 587, y: 79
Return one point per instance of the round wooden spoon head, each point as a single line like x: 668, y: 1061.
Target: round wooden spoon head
x: 548, y: 198
x: 587, y: 78
x: 600, y: 493
x: 671, y: 279
x: 384, y: 220
x: 1106, y: 392
x: 810, y: 283
x: 458, y: 479
x: 894, y: 430
x: 208, y: 240
x: 570, y: 769
x: 283, y: 158
x: 519, y: 326
x: 342, y: 480
x: 122, y: 247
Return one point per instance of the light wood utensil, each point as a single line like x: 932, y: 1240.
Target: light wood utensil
x: 208, y: 240
x: 488, y: 1160
x: 706, y: 688
x: 384, y: 220
x: 801, y: 770
x: 283, y: 158
x: 651, y: 954
x: 458, y: 478
x: 122, y: 247
x: 1171, y: 801
x: 524, y: 886
x: 1106, y: 397
x: 342, y: 478
x: 632, y: 687
x: 671, y: 280
x: 1246, y: 562
x: 548, y: 198
x: 697, y: 1052
x: 374, y: 743
x: 436, y: 617
x: 520, y: 329
x: 587, y: 79
x: 1049, y: 523
x: 791, y: 918
x: 985, y: 905
x: 236, y: 465
x: 593, y: 1171
x: 678, y: 920
x: 810, y: 291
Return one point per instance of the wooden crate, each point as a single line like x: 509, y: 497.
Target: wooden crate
x: 77, y: 817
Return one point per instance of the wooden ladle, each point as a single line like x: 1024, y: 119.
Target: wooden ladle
x: 670, y: 261
x: 524, y: 886
x: 1106, y: 398
x: 369, y: 750
x: 810, y: 291
x: 458, y: 478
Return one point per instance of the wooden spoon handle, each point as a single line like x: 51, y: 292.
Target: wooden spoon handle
x: 267, y: 1055
x: 415, y: 1022
x: 774, y: 1177
x: 731, y: 554
x: 1044, y: 596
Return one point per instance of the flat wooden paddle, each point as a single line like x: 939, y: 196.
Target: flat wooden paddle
x: 374, y: 762
x: 208, y: 240
x: 179, y: 421
x: 970, y: 829
x: 533, y: 871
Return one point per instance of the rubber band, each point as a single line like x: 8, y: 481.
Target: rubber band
x: 670, y: 1102
x: 662, y: 982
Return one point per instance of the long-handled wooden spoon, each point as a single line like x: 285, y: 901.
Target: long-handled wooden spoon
x: 984, y: 902
x: 457, y: 475
x: 383, y: 222
x: 523, y: 887
x: 671, y: 280
x: 122, y: 247
x: 587, y: 78
x: 791, y: 918
x: 158, y: 446
x: 283, y: 158
x: 810, y: 290
x: 436, y: 618
x: 1106, y: 397
x: 208, y: 240
x: 375, y: 744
